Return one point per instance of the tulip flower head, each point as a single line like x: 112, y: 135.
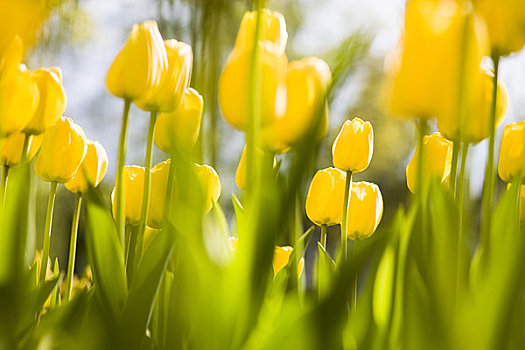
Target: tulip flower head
x: 19, y: 95
x: 91, y: 171
x: 159, y: 186
x: 235, y: 81
x: 12, y: 147
x: 52, y: 102
x: 166, y: 96
x: 352, y: 149
x: 365, y: 210
x: 140, y: 65
x: 512, y: 152
x: 211, y: 185
x: 133, y: 193
x: 240, y: 174
x: 475, y: 123
x: 179, y: 129
x: 324, y: 202
x: 437, y: 160
x: 62, y: 151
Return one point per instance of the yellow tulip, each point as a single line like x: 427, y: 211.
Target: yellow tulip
x: 52, y: 102
x: 159, y: 186
x: 280, y: 258
x: 19, y: 97
x: 133, y: 192
x: 211, y: 185
x: 12, y: 147
x: 475, y: 126
x: 141, y: 63
x: 506, y: 22
x: 91, y: 171
x: 180, y: 128
x: 240, y: 174
x: 437, y: 160
x: 423, y: 75
x: 365, y: 210
x: 512, y: 152
x: 307, y: 83
x: 235, y: 80
x: 352, y: 149
x: 324, y: 202
x: 62, y: 151
x: 169, y: 93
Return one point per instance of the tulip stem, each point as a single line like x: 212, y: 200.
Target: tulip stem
x: 120, y: 175
x: 460, y: 198
x: 454, y: 166
x: 25, y: 148
x: 489, y: 171
x: 324, y: 230
x: 73, y: 246
x: 355, y: 250
x: 130, y: 266
x: 169, y: 190
x: 47, y: 231
x: 344, y: 224
x: 147, y: 184
x: 3, y: 185
x: 421, y: 185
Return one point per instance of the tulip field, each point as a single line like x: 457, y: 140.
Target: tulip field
x: 162, y: 255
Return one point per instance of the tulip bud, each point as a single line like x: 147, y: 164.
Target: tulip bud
x: 475, y: 123
x: 91, y: 171
x: 505, y: 21
x: 324, y: 202
x: 133, y: 193
x: 307, y: 83
x: 180, y: 128
x: 281, y: 257
x: 159, y: 186
x: 437, y: 161
x: 240, y: 174
x: 512, y: 152
x: 211, y: 185
x: 52, y: 102
x: 12, y: 147
x: 141, y: 63
x: 19, y: 97
x: 352, y: 149
x: 62, y: 151
x: 169, y: 93
x: 365, y: 210
x: 235, y: 81
x: 441, y: 45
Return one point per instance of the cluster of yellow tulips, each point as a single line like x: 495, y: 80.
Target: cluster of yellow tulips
x: 32, y: 103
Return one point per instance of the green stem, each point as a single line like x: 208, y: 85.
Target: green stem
x: 454, y: 166
x: 169, y: 189
x: 147, y: 184
x: 120, y: 174
x: 489, y: 171
x: 25, y: 148
x: 421, y: 183
x: 3, y: 185
x: 73, y: 246
x: 344, y: 224
x: 460, y: 199
x: 354, y: 290
x: 324, y: 230
x: 127, y: 234
x: 47, y: 231
x: 130, y: 267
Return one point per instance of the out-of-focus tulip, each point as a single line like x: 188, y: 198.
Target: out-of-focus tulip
x: 352, y: 149
x: 169, y: 93
x: 307, y: 83
x: 240, y: 174
x: 62, y: 151
x: 19, y: 96
x: 52, y: 102
x: 437, y: 161
x: 280, y: 258
x: 91, y: 171
x: 365, y: 210
x: 505, y: 21
x: 324, y: 202
x: 12, y: 147
x: 149, y: 234
x: 211, y: 185
x: 141, y: 63
x: 512, y: 152
x: 133, y: 192
x: 235, y: 80
x: 424, y: 74
x: 159, y: 186
x: 475, y: 126
x: 180, y: 128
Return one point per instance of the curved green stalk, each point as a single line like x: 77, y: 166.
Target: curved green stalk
x: 454, y: 166
x: 460, y: 198
x: 73, y: 246
x: 344, y: 237
x: 3, y: 185
x: 47, y: 231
